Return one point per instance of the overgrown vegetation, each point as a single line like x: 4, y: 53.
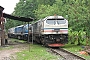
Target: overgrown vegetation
x: 78, y: 37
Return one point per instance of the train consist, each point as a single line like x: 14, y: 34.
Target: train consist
x: 51, y: 31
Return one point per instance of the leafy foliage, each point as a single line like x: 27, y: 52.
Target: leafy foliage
x: 77, y: 36
x: 26, y: 8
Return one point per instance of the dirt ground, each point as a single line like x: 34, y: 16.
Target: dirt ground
x: 8, y: 54
x: 5, y: 54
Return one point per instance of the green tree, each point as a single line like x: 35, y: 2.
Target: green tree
x: 26, y: 8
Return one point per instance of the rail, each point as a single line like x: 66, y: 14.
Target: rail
x: 66, y: 54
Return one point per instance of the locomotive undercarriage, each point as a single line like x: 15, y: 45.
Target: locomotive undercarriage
x: 52, y: 38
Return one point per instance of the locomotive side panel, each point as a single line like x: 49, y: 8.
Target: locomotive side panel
x: 37, y: 31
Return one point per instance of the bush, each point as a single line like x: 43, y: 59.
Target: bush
x: 78, y: 36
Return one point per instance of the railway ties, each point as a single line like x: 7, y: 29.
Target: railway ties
x: 67, y: 55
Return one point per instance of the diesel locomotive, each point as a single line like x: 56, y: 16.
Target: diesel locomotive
x: 51, y: 31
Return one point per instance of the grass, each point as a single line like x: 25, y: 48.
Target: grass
x: 76, y: 50
x: 37, y: 52
x: 6, y: 48
x: 20, y: 41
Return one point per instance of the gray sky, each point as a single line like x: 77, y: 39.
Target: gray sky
x: 8, y: 5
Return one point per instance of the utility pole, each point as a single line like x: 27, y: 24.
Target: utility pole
x: 2, y: 20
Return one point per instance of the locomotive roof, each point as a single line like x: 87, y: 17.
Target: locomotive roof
x: 49, y: 17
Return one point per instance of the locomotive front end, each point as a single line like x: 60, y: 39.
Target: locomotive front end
x: 55, y: 31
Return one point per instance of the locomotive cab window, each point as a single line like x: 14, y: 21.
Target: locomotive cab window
x: 50, y: 21
x: 54, y: 21
x: 61, y: 21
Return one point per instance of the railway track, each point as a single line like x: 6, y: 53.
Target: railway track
x: 66, y: 55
